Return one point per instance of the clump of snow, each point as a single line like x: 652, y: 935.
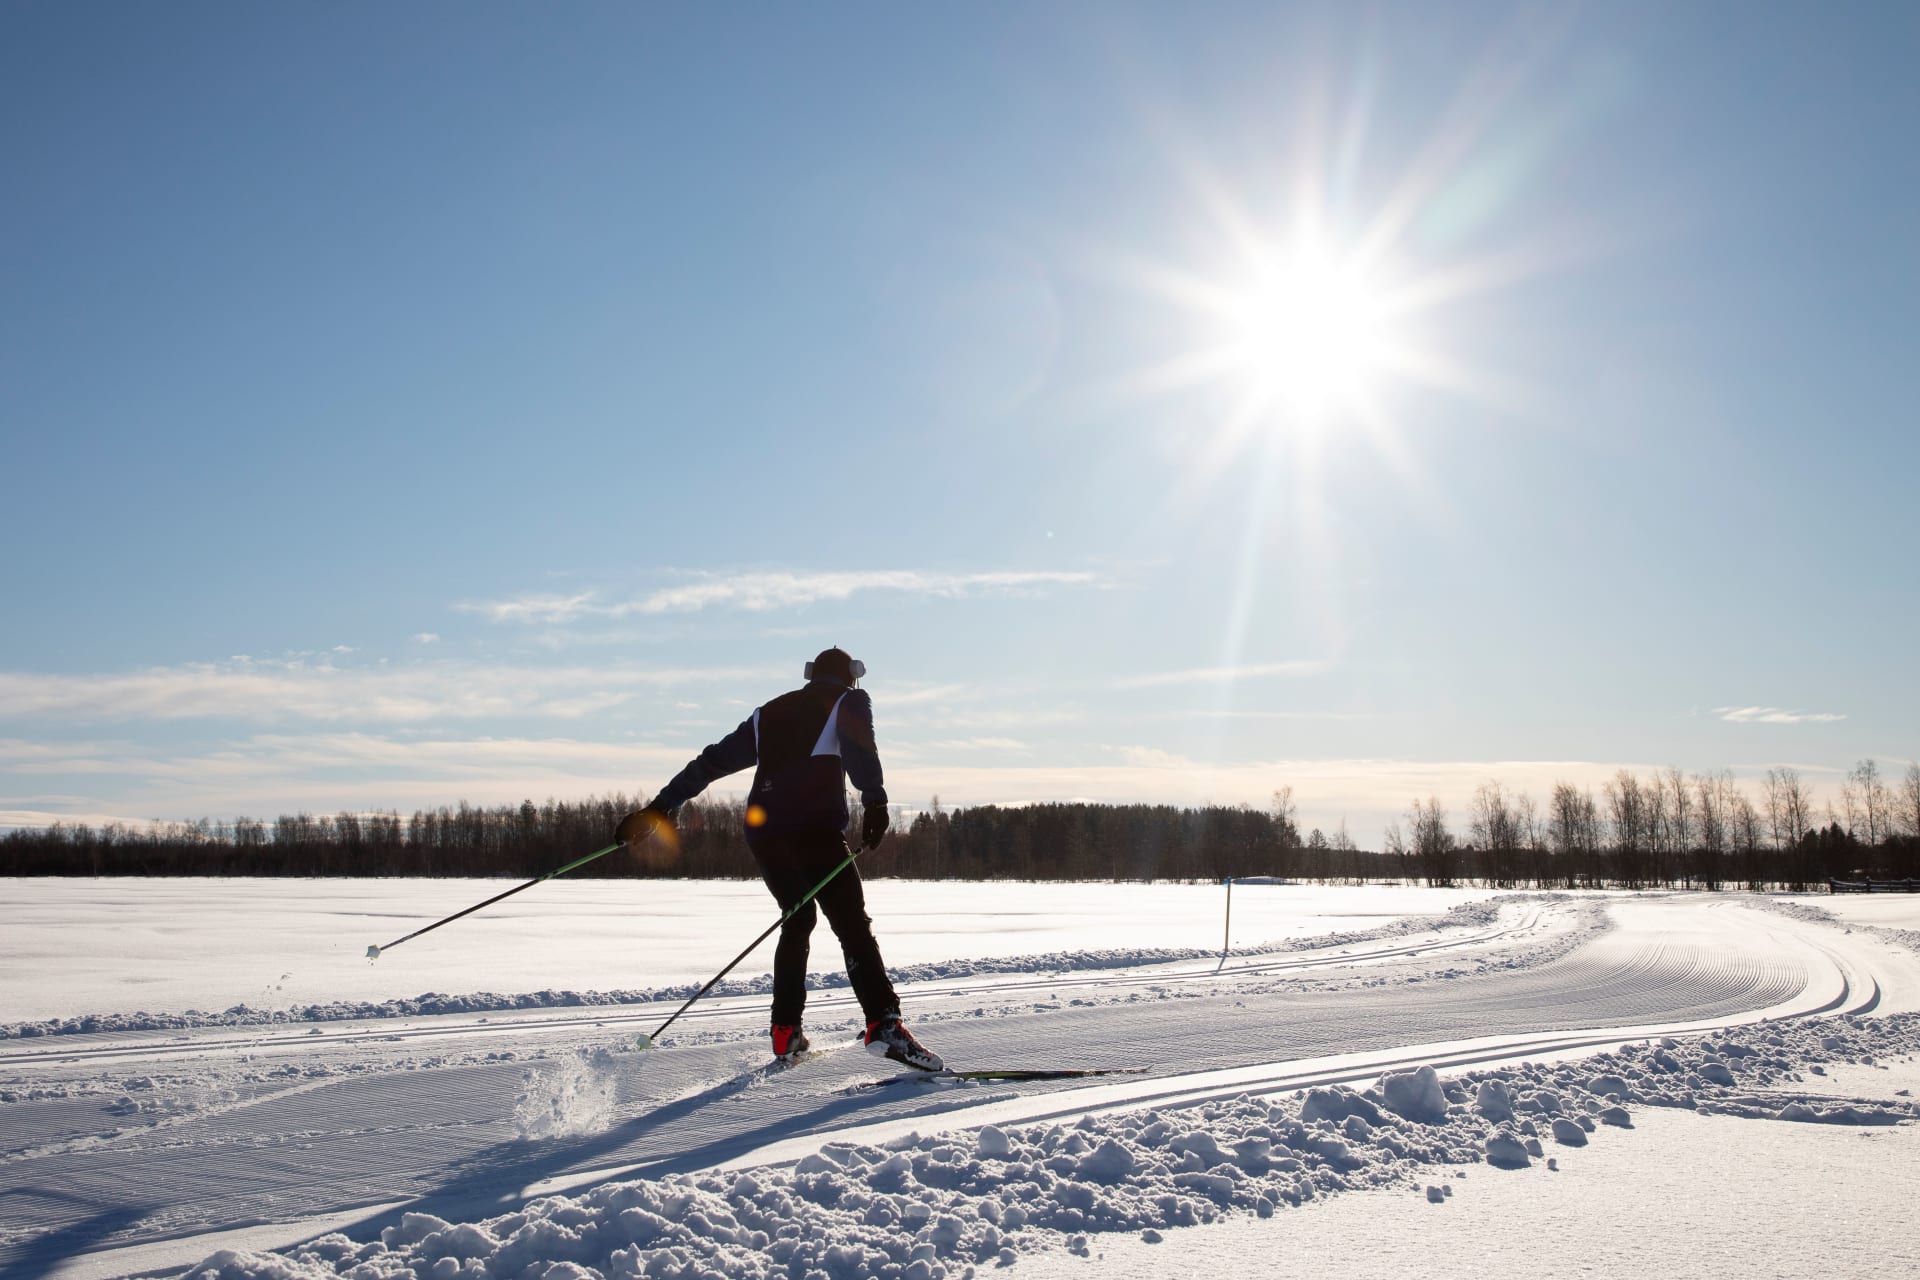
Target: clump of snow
x: 569, y: 1096
x: 1415, y: 1094
x: 1505, y: 1151
x: 1568, y: 1133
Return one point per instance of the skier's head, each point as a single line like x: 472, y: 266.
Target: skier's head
x: 838, y: 666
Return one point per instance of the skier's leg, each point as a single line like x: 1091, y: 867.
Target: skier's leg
x: 845, y: 903
x: 790, y: 967
x: 785, y: 875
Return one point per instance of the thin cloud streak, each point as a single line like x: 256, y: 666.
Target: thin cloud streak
x: 978, y: 744
x: 764, y: 592
x: 270, y: 692
x: 39, y: 819
x: 1225, y: 675
x: 917, y: 697
x: 1775, y: 715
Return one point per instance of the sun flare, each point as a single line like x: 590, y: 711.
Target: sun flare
x: 1307, y: 331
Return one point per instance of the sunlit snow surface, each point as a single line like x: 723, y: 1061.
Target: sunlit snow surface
x: 122, y: 945
x: 505, y: 1141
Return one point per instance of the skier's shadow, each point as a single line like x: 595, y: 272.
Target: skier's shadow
x: 497, y: 1179
x: 44, y: 1255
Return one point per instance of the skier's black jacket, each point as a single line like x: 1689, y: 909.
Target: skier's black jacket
x: 805, y: 744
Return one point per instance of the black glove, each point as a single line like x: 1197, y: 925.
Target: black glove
x: 873, y: 826
x: 636, y: 827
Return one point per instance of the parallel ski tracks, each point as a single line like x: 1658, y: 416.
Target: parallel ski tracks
x: 268, y: 1038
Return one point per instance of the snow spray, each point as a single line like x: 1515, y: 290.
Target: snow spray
x: 566, y: 1098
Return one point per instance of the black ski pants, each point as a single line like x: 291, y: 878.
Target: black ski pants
x: 792, y: 862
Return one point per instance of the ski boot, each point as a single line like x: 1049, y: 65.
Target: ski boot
x: 887, y: 1038
x: 789, y: 1042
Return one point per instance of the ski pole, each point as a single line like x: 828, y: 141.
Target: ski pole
x: 647, y: 1041
x: 373, y: 952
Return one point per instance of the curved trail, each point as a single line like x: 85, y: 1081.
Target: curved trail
x: 352, y: 1151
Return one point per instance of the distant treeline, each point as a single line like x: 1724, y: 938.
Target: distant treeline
x: 1039, y: 842
x: 1666, y: 830
x: 1670, y: 830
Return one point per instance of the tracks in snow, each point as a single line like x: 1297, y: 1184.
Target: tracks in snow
x: 270, y: 1038
x: 435, y: 1139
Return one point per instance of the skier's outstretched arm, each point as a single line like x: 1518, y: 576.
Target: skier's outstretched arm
x: 738, y: 750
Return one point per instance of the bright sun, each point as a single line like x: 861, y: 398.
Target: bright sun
x: 1307, y: 331
x: 1301, y: 334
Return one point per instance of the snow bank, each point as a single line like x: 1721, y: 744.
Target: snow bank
x: 1467, y: 915
x: 1908, y: 938
x: 937, y: 1208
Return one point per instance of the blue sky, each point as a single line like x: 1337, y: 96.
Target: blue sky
x: 404, y: 404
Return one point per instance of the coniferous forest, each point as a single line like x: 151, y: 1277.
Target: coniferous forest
x: 1665, y: 830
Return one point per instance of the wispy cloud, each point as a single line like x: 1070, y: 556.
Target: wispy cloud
x: 1224, y: 714
x: 762, y: 592
x: 427, y: 637
x: 269, y: 774
x: 1224, y: 675
x: 274, y: 691
x: 1774, y: 715
x: 40, y: 818
x: 1010, y: 745
x: 541, y: 608
x: 923, y: 695
x: 1156, y: 758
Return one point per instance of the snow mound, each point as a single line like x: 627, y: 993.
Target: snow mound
x: 921, y: 1207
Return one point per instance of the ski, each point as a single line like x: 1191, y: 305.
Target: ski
x: 776, y: 1065
x: 1006, y: 1074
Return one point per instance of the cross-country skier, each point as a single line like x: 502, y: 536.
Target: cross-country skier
x: 804, y: 744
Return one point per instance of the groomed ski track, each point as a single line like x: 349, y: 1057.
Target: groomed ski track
x: 415, y: 1118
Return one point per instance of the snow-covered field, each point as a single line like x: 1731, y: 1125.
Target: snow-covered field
x: 122, y: 946
x: 1362, y: 1058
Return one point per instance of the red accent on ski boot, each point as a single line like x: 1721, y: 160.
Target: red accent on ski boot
x: 888, y: 1038
x: 788, y: 1042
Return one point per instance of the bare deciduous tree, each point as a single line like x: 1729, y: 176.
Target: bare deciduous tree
x: 1573, y: 832
x: 1789, y: 807
x: 1492, y: 828
x: 1433, y: 845
x: 1873, y: 802
x: 1713, y: 804
x: 1677, y: 818
x: 1627, y: 811
x: 1745, y: 822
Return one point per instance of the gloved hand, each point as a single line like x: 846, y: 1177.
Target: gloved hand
x: 637, y: 826
x: 873, y: 826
